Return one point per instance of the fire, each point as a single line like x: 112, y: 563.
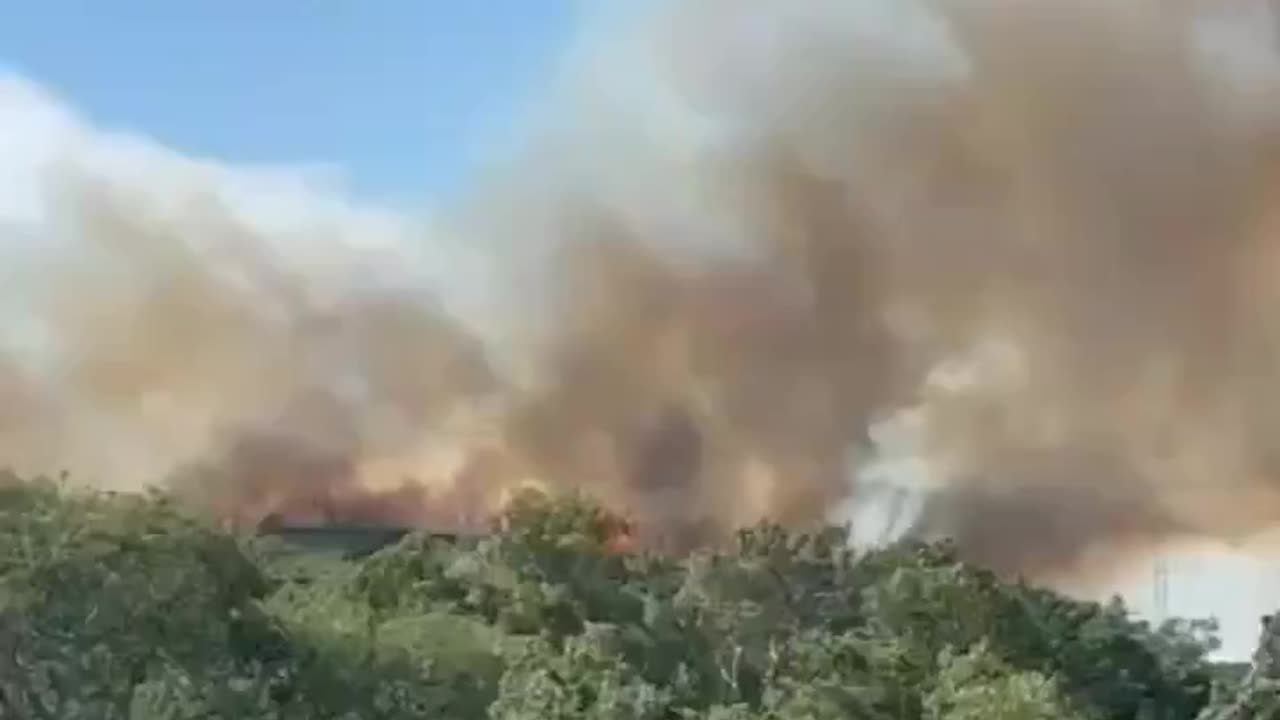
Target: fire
x: 620, y: 536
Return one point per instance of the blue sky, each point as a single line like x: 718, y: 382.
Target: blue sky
x: 404, y: 95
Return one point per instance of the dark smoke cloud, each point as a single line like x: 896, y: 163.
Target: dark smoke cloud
x: 757, y: 233
x: 1073, y: 201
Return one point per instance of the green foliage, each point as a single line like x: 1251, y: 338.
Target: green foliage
x: 123, y: 607
x: 586, y: 677
x: 101, y: 594
x: 1253, y: 694
x: 977, y: 685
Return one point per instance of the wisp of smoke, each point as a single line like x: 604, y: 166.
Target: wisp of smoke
x: 1047, y: 230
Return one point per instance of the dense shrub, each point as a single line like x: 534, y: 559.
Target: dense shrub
x: 123, y: 607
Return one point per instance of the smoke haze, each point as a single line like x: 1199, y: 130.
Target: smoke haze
x: 1048, y: 231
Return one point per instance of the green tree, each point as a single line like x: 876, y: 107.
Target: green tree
x: 115, y: 606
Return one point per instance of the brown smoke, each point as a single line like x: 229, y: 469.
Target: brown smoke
x: 813, y: 216
x: 183, y: 349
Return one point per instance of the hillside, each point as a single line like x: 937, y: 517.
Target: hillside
x: 123, y: 607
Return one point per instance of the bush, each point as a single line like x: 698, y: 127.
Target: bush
x: 123, y: 607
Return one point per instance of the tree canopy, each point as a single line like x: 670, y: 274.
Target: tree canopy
x: 123, y: 607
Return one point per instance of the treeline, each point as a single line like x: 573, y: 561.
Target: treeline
x: 116, y: 606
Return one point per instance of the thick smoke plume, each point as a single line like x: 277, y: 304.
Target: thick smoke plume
x: 1045, y: 230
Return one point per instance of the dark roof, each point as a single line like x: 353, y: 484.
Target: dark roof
x: 354, y: 541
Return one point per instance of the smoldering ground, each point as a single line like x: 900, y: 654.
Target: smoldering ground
x: 751, y: 234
